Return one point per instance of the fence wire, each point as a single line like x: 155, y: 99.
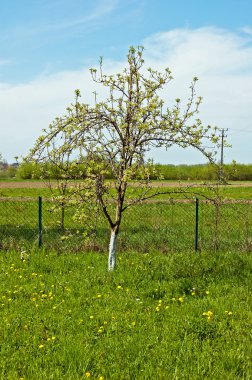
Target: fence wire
x: 167, y: 226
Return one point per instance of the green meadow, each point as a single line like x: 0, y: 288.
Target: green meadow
x: 176, y: 316
x: 166, y: 312
x: 230, y: 191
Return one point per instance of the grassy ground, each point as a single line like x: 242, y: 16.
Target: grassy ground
x: 181, y: 316
x: 234, y: 190
x: 163, y: 226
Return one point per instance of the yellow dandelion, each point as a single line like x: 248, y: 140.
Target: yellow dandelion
x: 41, y: 346
x: 207, y: 292
x: 208, y: 314
x: 88, y: 374
x: 228, y: 312
x: 181, y: 299
x: 91, y: 317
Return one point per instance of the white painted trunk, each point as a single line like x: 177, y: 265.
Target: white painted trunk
x: 112, y: 251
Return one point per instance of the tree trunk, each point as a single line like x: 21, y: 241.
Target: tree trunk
x: 112, y: 250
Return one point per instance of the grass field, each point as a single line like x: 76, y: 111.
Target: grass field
x: 234, y: 190
x: 159, y: 226
x: 182, y: 316
x: 165, y: 313
x: 156, y: 226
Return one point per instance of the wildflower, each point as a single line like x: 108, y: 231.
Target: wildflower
x: 228, y: 312
x: 119, y: 287
x: 207, y: 292
x: 101, y: 378
x: 158, y: 308
x: 181, y: 299
x: 208, y: 314
x: 53, y: 337
x: 41, y: 346
x: 91, y: 317
x: 98, y: 296
x: 88, y: 374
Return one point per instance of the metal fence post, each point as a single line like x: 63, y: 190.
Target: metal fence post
x: 39, y: 221
x: 196, y: 224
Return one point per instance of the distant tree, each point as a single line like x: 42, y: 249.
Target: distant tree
x: 3, y: 163
x: 116, y: 134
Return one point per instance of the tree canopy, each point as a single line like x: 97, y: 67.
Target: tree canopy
x: 114, y: 135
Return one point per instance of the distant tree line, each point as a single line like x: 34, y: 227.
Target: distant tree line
x: 183, y: 172
x: 7, y: 170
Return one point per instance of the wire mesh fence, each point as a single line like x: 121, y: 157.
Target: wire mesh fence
x: 173, y: 225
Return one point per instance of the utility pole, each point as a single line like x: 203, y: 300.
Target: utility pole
x: 221, y: 179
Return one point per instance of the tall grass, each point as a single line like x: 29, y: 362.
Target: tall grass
x: 181, y: 316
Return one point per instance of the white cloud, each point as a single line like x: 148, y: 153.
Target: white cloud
x: 221, y: 59
x: 247, y: 30
x: 102, y: 8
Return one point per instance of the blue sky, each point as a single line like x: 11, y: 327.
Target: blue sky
x: 47, y: 47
